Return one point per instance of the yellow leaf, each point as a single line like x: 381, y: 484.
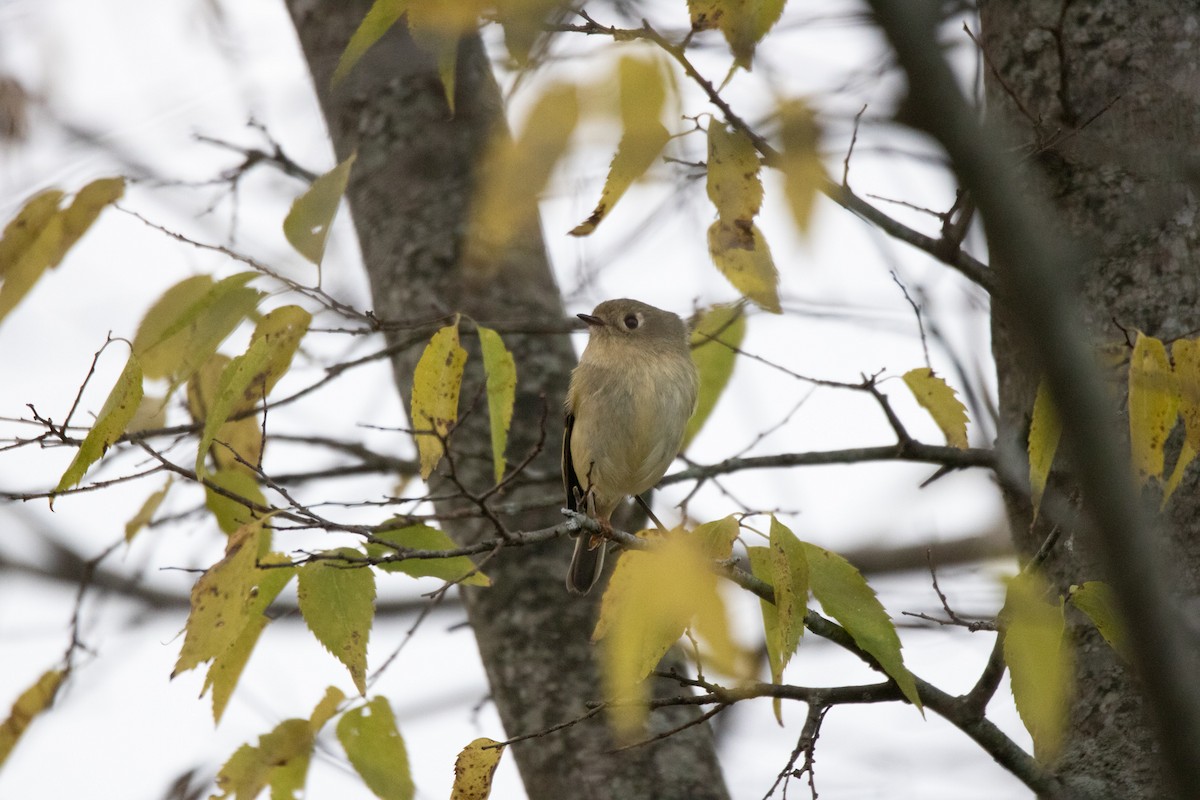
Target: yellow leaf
x: 643, y: 95
x: 652, y: 597
x: 280, y: 761
x: 282, y: 329
x: 525, y: 22
x: 744, y: 259
x: 110, y: 424
x: 380, y: 17
x: 151, y: 415
x: 235, y: 385
x: 734, y: 185
x: 33, y: 701
x: 1045, y: 429
x: 437, y: 26
x: 374, y: 746
x: 31, y: 260
x: 436, y: 384
x: 1153, y: 405
x: 743, y: 22
x: 307, y: 223
x: 230, y: 513
x: 337, y: 602
x: 84, y: 210
x: 474, y: 768
x: 1095, y: 599
x: 242, y: 436
x: 718, y: 330
x: 1186, y: 354
x: 146, y: 513
x: 1186, y: 456
x: 514, y: 174
x: 25, y: 227
x: 942, y: 403
x: 221, y: 600
x: 1040, y: 662
x: 762, y: 568
x: 789, y: 576
x: 501, y: 373
x: 803, y: 172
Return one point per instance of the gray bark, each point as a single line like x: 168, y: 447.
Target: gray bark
x: 1103, y: 100
x: 409, y: 195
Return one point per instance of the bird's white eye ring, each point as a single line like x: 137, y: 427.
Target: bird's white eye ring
x: 632, y: 321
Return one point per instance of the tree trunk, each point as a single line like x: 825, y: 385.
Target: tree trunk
x: 1103, y: 99
x: 409, y: 195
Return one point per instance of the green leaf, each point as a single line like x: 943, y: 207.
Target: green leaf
x: 185, y: 327
x: 375, y: 748
x: 110, y: 424
x: 242, y: 435
x: 942, y: 403
x: 146, y: 513
x: 474, y: 768
x: 744, y: 258
x: 280, y: 761
x: 236, y: 384
x: 221, y: 600
x: 85, y: 210
x: 717, y: 332
x: 1045, y: 430
x: 229, y: 513
x: 23, y: 230
x: 382, y: 15
x: 1095, y: 599
x: 338, y: 605
x: 789, y: 577
x: 307, y: 223
x: 643, y: 95
x: 422, y: 537
x: 845, y: 596
x: 762, y: 568
x: 1153, y: 405
x: 501, y: 373
x: 1040, y: 662
x: 436, y: 384
x: 281, y: 330
x: 32, y: 702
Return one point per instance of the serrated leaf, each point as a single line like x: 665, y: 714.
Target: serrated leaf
x: 652, y: 597
x: 375, y: 748
x: 1095, y: 599
x: 280, y: 760
x: 514, y: 174
x: 31, y: 702
x: 183, y: 329
x: 803, y: 172
x: 436, y: 384
x: 501, y: 373
x: 382, y: 15
x: 744, y: 258
x: 474, y: 768
x: 762, y: 568
x: 743, y: 22
x: 734, y: 185
x: 1040, y: 662
x: 229, y: 512
x: 942, y: 403
x: 718, y: 331
x: 789, y: 577
x: 311, y: 216
x: 221, y: 600
x: 643, y: 137
x: 1153, y: 405
x: 337, y: 602
x: 235, y: 385
x: 226, y: 669
x: 422, y: 537
x: 846, y: 596
x: 1045, y: 429
x: 146, y: 513
x: 110, y: 424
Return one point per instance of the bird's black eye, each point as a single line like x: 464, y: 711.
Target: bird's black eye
x: 632, y: 321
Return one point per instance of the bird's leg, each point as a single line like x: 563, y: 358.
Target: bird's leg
x: 646, y: 507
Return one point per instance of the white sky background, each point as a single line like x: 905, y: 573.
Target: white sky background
x: 145, y: 77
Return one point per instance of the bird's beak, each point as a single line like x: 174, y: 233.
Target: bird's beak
x: 591, y: 320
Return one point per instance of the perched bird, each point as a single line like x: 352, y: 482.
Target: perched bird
x: 629, y: 401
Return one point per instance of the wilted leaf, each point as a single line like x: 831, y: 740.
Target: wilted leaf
x: 846, y: 596
x: 743, y: 23
x: 221, y: 600
x: 110, y: 424
x: 1095, y: 599
x: 375, y: 748
x: 146, y: 513
x: 942, y: 403
x: 1039, y: 662
x: 643, y: 137
x: 501, y: 373
x: 338, y: 605
x: 1045, y: 429
x: 474, y: 768
x: 307, y: 224
x: 717, y: 332
x: 436, y: 384
x: 1153, y: 405
x: 422, y: 537
x: 744, y: 258
x: 33, y: 701
x: 803, y: 172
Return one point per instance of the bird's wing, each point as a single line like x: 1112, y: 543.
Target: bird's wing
x: 571, y: 485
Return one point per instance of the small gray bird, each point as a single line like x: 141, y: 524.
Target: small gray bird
x: 629, y: 401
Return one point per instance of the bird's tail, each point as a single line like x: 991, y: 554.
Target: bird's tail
x: 586, y: 563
